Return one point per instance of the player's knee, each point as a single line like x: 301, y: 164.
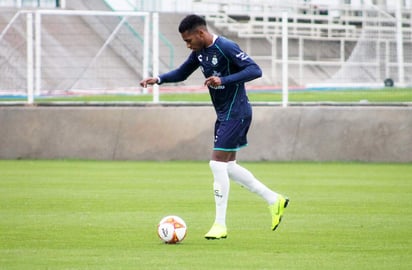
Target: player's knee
x: 217, y: 166
x: 231, y: 167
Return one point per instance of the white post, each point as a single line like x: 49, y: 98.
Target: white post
x: 301, y: 58
x: 285, y: 84
x: 155, y: 46
x: 146, y: 49
x: 399, y: 43
x: 37, y: 44
x: 62, y: 3
x: 29, y: 37
x: 274, y: 59
x: 248, y: 46
x: 387, y: 58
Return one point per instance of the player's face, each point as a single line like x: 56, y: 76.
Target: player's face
x: 194, y: 40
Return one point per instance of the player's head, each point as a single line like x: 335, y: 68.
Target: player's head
x: 191, y: 22
x: 194, y: 32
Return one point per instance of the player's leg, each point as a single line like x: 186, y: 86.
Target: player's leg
x: 277, y: 202
x: 246, y: 179
x: 221, y: 187
x: 224, y: 151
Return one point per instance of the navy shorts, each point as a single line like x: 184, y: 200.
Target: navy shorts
x: 231, y: 135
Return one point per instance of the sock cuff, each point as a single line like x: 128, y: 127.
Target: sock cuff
x: 218, y: 165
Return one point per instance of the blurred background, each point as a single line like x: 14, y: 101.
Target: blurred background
x: 56, y: 48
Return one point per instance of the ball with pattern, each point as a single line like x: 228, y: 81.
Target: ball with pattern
x: 172, y: 229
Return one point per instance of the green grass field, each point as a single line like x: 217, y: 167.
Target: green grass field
x: 384, y: 95
x: 103, y: 215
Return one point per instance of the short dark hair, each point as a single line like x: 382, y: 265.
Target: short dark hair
x: 191, y: 22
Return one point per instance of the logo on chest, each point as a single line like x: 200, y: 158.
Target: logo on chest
x: 214, y: 60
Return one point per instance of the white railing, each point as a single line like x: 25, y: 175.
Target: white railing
x: 343, y: 21
x: 369, y: 44
x: 33, y: 3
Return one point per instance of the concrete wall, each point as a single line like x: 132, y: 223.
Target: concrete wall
x: 185, y: 133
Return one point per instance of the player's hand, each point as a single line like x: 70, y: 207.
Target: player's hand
x: 213, y: 81
x: 148, y: 81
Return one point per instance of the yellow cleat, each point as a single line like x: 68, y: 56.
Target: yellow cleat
x: 277, y: 209
x: 216, y: 232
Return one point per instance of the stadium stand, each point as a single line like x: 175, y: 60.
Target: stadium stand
x: 325, y: 43
x: 321, y: 38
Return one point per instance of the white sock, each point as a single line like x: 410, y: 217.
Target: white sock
x: 221, y: 186
x: 245, y: 178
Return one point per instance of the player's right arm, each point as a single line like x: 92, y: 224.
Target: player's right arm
x: 176, y: 75
x: 182, y: 72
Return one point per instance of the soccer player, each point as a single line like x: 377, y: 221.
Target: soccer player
x: 226, y: 69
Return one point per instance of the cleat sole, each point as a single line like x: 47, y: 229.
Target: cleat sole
x: 286, y: 203
x: 215, y: 238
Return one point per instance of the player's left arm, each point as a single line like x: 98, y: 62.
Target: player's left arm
x: 245, y: 67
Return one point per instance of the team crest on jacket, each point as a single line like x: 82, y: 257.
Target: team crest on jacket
x: 214, y: 60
